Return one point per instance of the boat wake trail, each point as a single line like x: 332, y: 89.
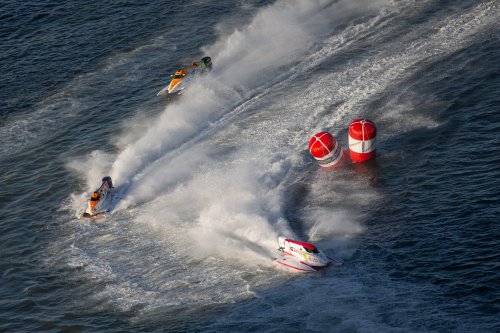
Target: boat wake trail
x: 207, y: 185
x: 197, y: 171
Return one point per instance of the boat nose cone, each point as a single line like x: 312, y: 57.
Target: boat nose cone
x: 323, y: 260
x: 317, y: 260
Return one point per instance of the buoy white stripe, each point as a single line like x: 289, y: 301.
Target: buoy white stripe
x: 362, y: 146
x: 330, y: 154
x: 335, y: 160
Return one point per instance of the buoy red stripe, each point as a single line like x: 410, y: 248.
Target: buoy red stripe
x: 326, y: 150
x: 318, y: 139
x: 362, y: 129
x: 332, y: 153
x: 321, y: 145
x: 361, y: 157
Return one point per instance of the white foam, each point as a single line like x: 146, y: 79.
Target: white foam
x: 20, y: 131
x: 213, y: 198
x: 210, y: 176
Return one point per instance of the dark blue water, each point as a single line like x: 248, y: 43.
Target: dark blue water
x: 208, y: 179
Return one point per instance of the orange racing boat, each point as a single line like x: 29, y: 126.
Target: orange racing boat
x: 205, y: 64
x: 176, y: 80
x: 99, y: 202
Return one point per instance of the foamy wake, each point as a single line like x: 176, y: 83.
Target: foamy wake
x: 201, y: 169
x: 209, y: 194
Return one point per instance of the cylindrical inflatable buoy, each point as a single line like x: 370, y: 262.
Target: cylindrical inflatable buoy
x: 326, y: 150
x: 362, y: 145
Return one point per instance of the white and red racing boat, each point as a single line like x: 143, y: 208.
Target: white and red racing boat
x: 99, y: 202
x: 302, y: 256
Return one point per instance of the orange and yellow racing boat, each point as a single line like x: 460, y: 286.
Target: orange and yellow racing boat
x: 180, y: 76
x: 176, y: 80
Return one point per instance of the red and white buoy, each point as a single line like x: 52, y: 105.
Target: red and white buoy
x: 362, y: 143
x: 326, y: 150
